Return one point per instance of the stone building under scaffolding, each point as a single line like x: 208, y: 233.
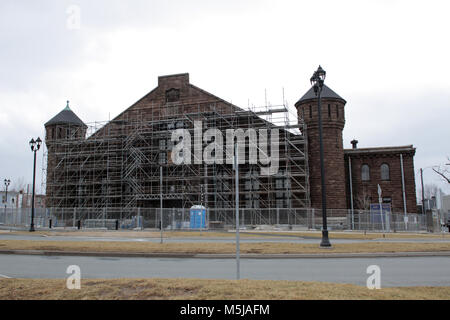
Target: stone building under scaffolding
x: 116, y: 164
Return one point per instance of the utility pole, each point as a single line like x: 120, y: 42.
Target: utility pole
x: 236, y: 168
x: 381, y: 206
x: 423, y: 191
x: 405, y: 217
x: 351, y: 191
x: 161, y: 200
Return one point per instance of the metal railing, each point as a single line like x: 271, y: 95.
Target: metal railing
x: 221, y: 218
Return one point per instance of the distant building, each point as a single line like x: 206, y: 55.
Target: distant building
x: 21, y: 200
x: 446, y: 204
x: 12, y: 201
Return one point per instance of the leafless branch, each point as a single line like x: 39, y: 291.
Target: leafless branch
x: 442, y: 174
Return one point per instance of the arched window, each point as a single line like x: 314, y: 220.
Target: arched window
x: 365, y: 172
x: 385, y: 172
x: 172, y: 95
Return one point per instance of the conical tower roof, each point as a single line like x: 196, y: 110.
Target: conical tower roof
x: 66, y: 116
x: 326, y: 93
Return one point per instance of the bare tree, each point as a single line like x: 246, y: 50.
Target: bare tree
x: 444, y: 171
x: 362, y: 200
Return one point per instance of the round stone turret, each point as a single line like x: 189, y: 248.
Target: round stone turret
x: 333, y: 122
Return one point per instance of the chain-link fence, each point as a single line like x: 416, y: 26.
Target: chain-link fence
x: 221, y: 219
x: 20, y: 217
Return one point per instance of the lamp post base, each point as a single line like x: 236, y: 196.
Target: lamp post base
x: 32, y: 228
x: 325, y: 243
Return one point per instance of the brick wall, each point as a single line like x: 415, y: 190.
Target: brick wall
x: 366, y: 192
x: 333, y: 121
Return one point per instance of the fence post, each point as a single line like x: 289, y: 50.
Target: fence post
x: 353, y: 219
x: 173, y: 219
x: 359, y: 221
x: 182, y: 218
x: 138, y: 220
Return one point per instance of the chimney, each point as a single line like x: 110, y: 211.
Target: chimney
x: 354, y: 144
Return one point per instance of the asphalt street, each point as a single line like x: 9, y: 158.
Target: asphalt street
x: 407, y: 271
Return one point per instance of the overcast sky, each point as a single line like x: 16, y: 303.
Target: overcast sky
x: 388, y: 59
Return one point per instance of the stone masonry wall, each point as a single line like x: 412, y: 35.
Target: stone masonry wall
x: 333, y: 121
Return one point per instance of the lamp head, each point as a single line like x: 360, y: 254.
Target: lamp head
x: 32, y: 144
x: 321, y: 74
x: 38, y: 142
x: 318, y: 79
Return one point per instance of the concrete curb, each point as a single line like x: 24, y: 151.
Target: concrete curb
x: 228, y: 256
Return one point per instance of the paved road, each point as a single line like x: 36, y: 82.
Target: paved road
x: 291, y: 239
x: 427, y: 271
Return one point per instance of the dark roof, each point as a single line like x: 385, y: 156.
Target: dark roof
x: 326, y: 93
x: 66, y: 116
x: 395, y: 149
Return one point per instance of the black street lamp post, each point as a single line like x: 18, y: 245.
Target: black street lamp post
x: 317, y: 81
x: 7, y: 182
x: 35, y: 146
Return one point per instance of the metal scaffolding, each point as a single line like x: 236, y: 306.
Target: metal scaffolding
x: 115, y: 164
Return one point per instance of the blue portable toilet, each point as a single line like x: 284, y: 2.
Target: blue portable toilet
x: 198, y: 217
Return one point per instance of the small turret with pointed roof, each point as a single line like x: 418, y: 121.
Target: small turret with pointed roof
x: 65, y: 125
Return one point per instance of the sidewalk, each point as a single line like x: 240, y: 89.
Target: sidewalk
x: 227, y: 256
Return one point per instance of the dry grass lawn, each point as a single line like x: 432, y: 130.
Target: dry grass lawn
x: 166, y: 289
x: 218, y: 248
